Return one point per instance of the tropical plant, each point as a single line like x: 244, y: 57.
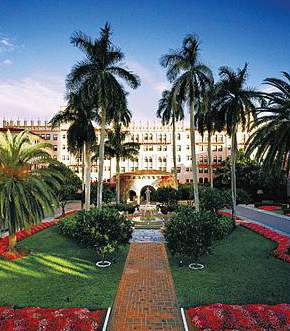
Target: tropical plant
x: 170, y: 111
x: 27, y: 186
x: 270, y: 140
x: 236, y: 109
x: 79, y: 113
x: 115, y: 146
x: 190, y: 78
x: 70, y: 185
x: 99, y: 74
x: 206, y: 119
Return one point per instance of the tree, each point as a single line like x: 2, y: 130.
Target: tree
x: 190, y: 78
x: 116, y: 147
x: 99, y: 73
x: 270, y: 140
x: 250, y: 177
x: 70, y: 185
x: 79, y: 113
x: 236, y: 108
x: 170, y: 110
x: 206, y: 119
x: 27, y: 187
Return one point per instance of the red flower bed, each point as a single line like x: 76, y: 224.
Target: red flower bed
x: 50, y: 319
x: 20, y: 235
x: 245, y: 317
x: 283, y: 241
x: 270, y: 208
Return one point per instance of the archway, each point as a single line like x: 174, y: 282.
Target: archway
x: 143, y: 194
x: 132, y: 196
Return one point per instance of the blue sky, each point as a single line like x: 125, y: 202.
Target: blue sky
x: 35, y: 53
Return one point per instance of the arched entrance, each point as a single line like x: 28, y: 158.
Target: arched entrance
x: 132, y: 183
x: 132, y: 196
x: 143, y: 193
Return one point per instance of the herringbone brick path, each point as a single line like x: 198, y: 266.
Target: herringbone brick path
x: 146, y: 299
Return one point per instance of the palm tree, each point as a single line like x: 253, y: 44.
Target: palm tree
x: 99, y: 73
x: 116, y: 147
x: 206, y: 119
x: 170, y: 110
x: 81, y: 133
x: 270, y: 140
x: 190, y: 79
x: 236, y: 108
x: 28, y: 188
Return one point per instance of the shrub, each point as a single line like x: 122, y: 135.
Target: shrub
x: 166, y: 195
x: 103, y: 228
x: 243, y: 197
x: 191, y: 233
x: 185, y: 192
x: 165, y: 209
x: 125, y: 207
x: 224, y: 226
x: 213, y: 199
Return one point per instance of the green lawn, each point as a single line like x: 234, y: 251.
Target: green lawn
x: 58, y: 273
x: 239, y: 271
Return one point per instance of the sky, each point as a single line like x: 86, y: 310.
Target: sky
x: 36, y: 54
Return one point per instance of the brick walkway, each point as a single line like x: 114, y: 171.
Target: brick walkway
x: 146, y: 299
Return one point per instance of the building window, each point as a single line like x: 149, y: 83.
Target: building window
x: 178, y: 148
x: 220, y: 159
x: 214, y: 148
x: 63, y: 146
x: 178, y: 136
x: 165, y: 148
x: 63, y: 136
x: 200, y: 170
x: 55, y: 137
x: 205, y: 180
x: 178, y: 158
x: 63, y: 157
x: 200, y: 180
x: 47, y: 136
x: 187, y: 147
x: 67, y: 157
x: 178, y: 170
x: 220, y: 148
x: 55, y: 148
x: 146, y: 136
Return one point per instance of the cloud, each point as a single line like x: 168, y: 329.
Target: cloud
x: 30, y: 98
x: 6, y: 44
x: 7, y: 62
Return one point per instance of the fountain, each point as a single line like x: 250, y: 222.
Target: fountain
x: 148, y: 208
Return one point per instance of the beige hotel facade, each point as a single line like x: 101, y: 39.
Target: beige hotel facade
x: 155, y: 148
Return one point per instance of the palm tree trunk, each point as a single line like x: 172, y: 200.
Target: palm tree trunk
x: 12, y: 242
x: 83, y: 175
x: 233, y: 170
x: 193, y: 156
x: 87, y: 175
x: 174, y: 149
x: 101, y: 160
x: 209, y: 159
x: 12, y: 228
x: 118, y: 179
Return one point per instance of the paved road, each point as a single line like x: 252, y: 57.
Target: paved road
x: 277, y: 222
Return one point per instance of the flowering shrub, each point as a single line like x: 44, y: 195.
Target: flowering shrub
x: 50, y: 319
x: 256, y: 317
x: 22, y: 234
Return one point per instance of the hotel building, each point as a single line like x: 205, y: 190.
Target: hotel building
x: 155, y: 148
